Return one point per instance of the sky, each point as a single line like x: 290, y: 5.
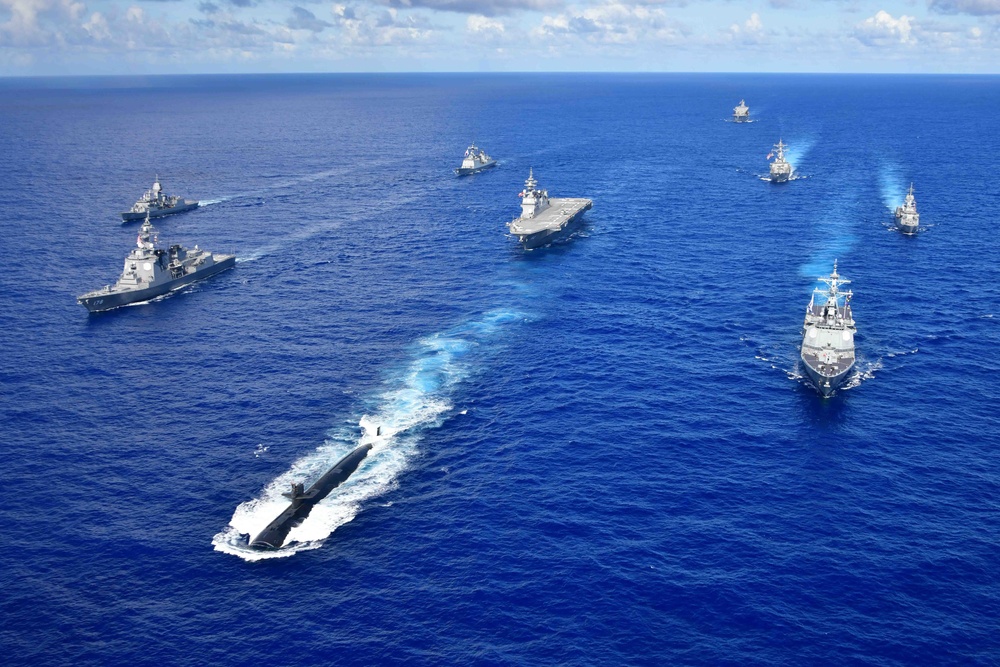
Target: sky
x: 71, y: 37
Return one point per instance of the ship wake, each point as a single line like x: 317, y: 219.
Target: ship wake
x: 419, y: 398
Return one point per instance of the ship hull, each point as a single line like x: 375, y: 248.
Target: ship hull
x: 99, y: 302
x: 188, y: 205
x: 741, y: 119
x: 475, y: 170
x: 547, y: 236
x: 908, y: 229
x: 781, y: 177
x: 826, y: 384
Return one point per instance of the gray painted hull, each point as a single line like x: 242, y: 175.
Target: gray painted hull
x: 128, y: 216
x: 475, y: 170
x: 779, y: 178
x: 826, y: 384
x: 98, y: 302
x: 908, y: 229
x: 546, y: 236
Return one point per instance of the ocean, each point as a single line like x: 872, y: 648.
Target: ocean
x: 602, y: 452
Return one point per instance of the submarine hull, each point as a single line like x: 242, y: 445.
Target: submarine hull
x: 273, y: 537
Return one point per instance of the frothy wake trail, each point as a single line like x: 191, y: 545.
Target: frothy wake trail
x: 796, y: 153
x: 420, y: 398
x: 892, y: 185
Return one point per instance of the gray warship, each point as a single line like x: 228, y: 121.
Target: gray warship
x: 150, y: 272
x: 828, y: 335
x: 543, y: 219
x: 906, y: 215
x: 155, y: 204
x: 781, y: 171
x: 475, y: 160
x: 741, y: 114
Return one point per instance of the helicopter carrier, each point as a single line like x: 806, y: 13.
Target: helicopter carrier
x: 828, y: 335
x: 543, y: 220
x: 151, y: 271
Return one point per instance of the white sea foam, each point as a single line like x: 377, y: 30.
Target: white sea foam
x: 892, y: 185
x: 419, y: 398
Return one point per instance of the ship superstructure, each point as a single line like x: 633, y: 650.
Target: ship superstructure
x: 155, y: 204
x: 828, y: 334
x: 906, y: 215
x: 781, y: 170
x: 543, y: 219
x: 151, y: 271
x: 741, y: 114
x: 475, y: 160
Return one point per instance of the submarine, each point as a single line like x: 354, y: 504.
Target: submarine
x: 273, y: 537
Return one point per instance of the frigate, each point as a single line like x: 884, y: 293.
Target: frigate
x: 781, y: 171
x: 155, y: 204
x: 543, y: 219
x: 906, y: 215
x: 828, y: 334
x: 151, y: 271
x: 475, y: 160
x: 741, y: 114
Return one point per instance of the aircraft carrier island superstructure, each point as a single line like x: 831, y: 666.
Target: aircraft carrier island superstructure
x: 545, y: 219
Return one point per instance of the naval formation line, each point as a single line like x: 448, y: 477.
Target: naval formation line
x: 827, y: 349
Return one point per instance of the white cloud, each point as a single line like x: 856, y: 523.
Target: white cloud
x: 613, y: 22
x: 480, y: 24
x: 884, y: 30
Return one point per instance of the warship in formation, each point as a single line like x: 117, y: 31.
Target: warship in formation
x: 302, y: 501
x: 150, y: 272
x: 155, y: 204
x: 781, y: 171
x: 543, y: 219
x: 475, y: 160
x: 741, y: 114
x: 828, y: 335
x: 906, y: 215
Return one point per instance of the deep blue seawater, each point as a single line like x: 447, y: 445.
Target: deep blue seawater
x: 597, y: 453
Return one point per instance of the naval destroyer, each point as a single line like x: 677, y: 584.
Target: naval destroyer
x: 475, y: 160
x: 741, y: 114
x: 906, y: 215
x: 781, y: 171
x: 828, y: 335
x: 543, y: 219
x: 151, y: 271
x: 155, y: 204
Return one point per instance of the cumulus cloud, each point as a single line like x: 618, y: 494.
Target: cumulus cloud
x: 477, y: 23
x: 613, y: 23
x: 884, y: 30
x: 974, y: 7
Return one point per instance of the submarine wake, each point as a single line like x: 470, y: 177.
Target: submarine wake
x: 419, y: 398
